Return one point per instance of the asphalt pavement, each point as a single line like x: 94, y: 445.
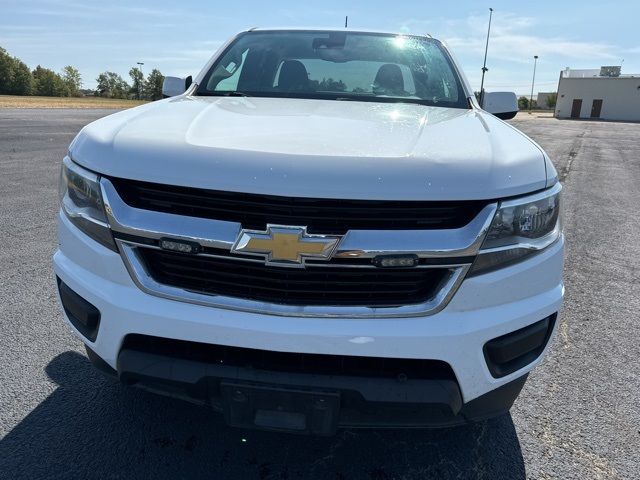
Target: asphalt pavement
x: 577, y: 417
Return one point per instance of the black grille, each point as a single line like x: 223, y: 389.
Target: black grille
x: 374, y: 287
x: 316, y: 364
x: 329, y: 216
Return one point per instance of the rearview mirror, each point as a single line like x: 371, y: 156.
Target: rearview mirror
x: 172, y: 86
x: 503, y: 105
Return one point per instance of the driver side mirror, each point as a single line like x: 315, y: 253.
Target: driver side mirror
x: 172, y: 86
x: 503, y: 105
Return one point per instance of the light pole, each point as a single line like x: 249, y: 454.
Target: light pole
x: 533, y: 81
x: 140, y: 64
x: 484, y: 65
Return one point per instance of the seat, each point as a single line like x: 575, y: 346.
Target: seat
x: 435, y: 90
x: 389, y: 80
x: 293, y: 76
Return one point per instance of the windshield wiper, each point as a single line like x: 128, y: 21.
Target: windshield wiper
x: 385, y: 99
x: 224, y: 94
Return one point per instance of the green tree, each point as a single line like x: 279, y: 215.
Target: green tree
x: 331, y: 85
x: 15, y: 76
x: 111, y: 85
x: 153, y: 85
x: 102, y: 89
x: 73, y: 80
x: 137, y: 77
x: 48, y: 83
x: 6, y: 71
x: 22, y: 81
x: 552, y: 98
x: 523, y: 103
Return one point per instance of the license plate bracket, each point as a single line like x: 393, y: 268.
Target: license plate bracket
x: 281, y: 409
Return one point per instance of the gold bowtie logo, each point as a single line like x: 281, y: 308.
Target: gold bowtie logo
x: 284, y: 245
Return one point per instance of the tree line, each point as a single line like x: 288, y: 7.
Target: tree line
x: 17, y: 79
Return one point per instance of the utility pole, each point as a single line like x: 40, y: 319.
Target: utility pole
x: 346, y: 21
x: 535, y: 61
x: 484, y: 65
x: 140, y: 64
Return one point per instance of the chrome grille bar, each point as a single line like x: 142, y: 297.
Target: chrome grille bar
x: 456, y: 247
x: 449, y: 243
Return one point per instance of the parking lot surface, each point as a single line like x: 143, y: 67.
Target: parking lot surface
x: 578, y: 416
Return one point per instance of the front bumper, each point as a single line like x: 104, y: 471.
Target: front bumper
x: 484, y: 307
x: 360, y: 401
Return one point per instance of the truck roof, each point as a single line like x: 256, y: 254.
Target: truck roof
x: 332, y: 29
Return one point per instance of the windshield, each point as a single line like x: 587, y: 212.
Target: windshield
x: 336, y: 66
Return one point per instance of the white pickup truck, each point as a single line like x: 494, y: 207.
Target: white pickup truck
x: 322, y: 229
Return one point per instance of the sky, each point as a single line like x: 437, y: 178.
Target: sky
x: 178, y: 37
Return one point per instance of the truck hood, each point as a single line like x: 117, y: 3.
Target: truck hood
x: 315, y: 148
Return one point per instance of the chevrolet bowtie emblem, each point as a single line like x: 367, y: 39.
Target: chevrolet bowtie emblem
x: 285, y: 246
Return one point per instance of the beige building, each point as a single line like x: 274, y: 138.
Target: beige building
x: 598, y: 93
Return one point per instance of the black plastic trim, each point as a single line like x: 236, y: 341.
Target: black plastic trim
x: 291, y: 362
x: 83, y: 315
x: 513, y: 351
x: 333, y: 216
x: 506, y: 115
x: 100, y: 364
x: 332, y: 285
x: 364, y: 401
x: 494, y: 403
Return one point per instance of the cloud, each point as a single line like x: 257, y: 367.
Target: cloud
x: 511, y: 40
x: 515, y: 39
x: 176, y: 37
x: 197, y: 56
x: 74, y: 9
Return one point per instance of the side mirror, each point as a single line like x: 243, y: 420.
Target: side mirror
x: 503, y: 105
x: 172, y: 86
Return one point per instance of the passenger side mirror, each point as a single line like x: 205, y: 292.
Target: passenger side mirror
x: 172, y: 86
x: 503, y: 105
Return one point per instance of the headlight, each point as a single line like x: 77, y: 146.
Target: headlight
x: 81, y: 202
x: 520, y: 228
